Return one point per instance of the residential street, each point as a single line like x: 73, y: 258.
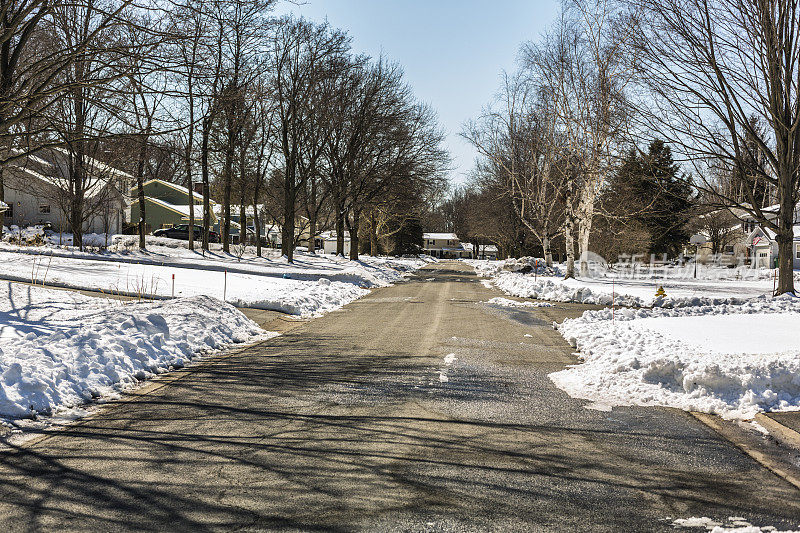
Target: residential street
x: 359, y: 420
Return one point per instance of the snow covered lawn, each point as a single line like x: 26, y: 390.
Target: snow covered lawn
x: 311, y: 286
x: 719, y: 286
x: 59, y: 349
x: 734, y: 360
x: 636, y: 293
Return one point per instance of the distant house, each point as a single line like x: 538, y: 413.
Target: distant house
x: 750, y: 241
x: 764, y: 247
x: 329, y: 242
x: 36, y: 192
x: 166, y: 205
x: 270, y: 232
x: 486, y: 251
x: 445, y: 246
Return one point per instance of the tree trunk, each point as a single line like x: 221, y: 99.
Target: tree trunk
x: 257, y: 222
x: 340, y: 216
x: 548, y: 252
x: 189, y: 183
x: 312, y: 232
x: 226, y: 203
x: 206, y: 184
x: 289, y: 201
x: 354, y: 234
x: 785, y: 237
x: 584, y: 232
x: 373, y: 235
x: 76, y: 207
x: 242, y: 222
x: 569, y: 240
x: 312, y: 217
x: 191, y: 204
x: 2, y: 199
x: 140, y: 184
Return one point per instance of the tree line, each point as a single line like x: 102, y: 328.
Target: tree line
x: 263, y: 114
x: 627, y: 119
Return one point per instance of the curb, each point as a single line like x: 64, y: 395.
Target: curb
x: 750, y: 446
x: 783, y: 434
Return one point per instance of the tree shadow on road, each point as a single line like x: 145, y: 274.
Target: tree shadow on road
x: 257, y: 440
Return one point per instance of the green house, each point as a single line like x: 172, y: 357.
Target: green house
x: 167, y: 205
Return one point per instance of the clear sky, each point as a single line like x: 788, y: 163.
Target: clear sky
x: 452, y: 51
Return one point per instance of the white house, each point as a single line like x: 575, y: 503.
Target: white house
x: 445, y: 246
x: 486, y: 251
x: 754, y: 242
x: 329, y: 242
x: 35, y: 191
x: 765, y: 248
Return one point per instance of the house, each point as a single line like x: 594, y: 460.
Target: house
x: 167, y: 205
x: 764, y: 247
x: 329, y: 242
x: 486, y: 251
x: 750, y: 241
x: 444, y: 246
x: 35, y: 190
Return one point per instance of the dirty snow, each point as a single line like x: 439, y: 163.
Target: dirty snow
x: 733, y: 524
x: 505, y: 302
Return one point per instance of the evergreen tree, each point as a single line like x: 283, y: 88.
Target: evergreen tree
x: 669, y: 200
x: 648, y: 193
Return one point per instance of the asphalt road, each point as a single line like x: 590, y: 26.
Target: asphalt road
x: 355, y: 422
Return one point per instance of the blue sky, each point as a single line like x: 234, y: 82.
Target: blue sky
x: 452, y: 51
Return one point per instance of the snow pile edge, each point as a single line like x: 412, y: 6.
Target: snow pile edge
x: 623, y: 366
x: 114, y: 351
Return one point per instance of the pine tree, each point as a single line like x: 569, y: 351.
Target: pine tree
x: 647, y: 191
x: 670, y: 200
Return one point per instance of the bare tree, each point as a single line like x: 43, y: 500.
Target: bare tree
x: 86, y: 114
x: 297, y: 66
x: 711, y: 66
x: 33, y: 65
x: 520, y: 143
x: 586, y: 68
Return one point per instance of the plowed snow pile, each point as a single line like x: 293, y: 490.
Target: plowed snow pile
x: 734, y: 360
x: 59, y: 349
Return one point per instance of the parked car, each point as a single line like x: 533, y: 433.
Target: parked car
x: 181, y: 231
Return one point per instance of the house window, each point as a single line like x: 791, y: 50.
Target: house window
x: 44, y: 209
x: 729, y: 249
x: 797, y: 251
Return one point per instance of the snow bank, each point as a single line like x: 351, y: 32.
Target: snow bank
x: 37, y: 236
x: 311, y: 286
x: 60, y: 349
x: 733, y: 524
x: 525, y: 286
x: 631, y: 292
x: 303, y: 298
x: 734, y: 360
